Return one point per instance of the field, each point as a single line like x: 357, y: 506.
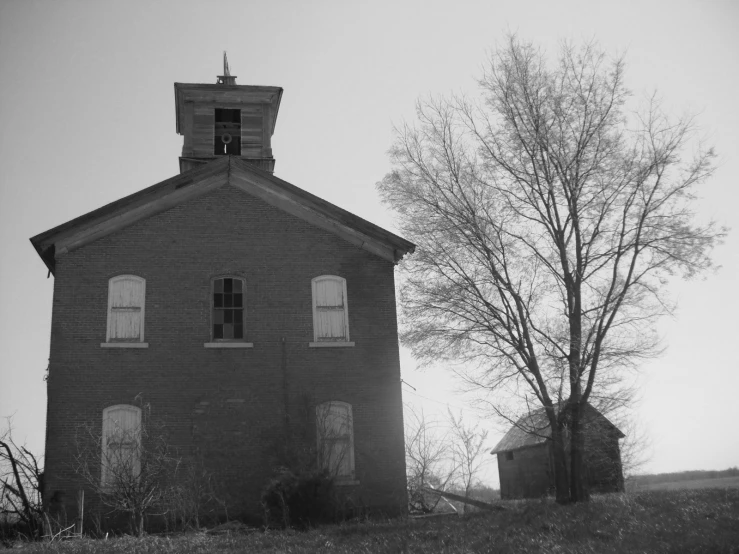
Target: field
x: 721, y: 482
x: 677, y: 521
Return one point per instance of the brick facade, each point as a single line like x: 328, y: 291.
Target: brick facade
x: 243, y: 411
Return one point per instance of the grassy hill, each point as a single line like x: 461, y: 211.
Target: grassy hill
x: 685, y: 521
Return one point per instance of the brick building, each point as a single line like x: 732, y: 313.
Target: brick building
x: 526, y: 466
x: 246, y: 314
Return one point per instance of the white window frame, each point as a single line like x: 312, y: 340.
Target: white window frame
x: 323, y: 412
x: 133, y: 442
x: 319, y: 342
x: 115, y: 343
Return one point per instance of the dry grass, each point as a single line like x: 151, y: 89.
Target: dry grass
x: 684, y: 521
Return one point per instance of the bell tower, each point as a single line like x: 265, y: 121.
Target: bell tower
x: 226, y: 119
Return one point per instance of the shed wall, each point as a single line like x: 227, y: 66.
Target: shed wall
x: 527, y: 475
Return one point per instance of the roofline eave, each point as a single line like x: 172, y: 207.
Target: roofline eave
x: 400, y: 246
x: 92, y: 225
x: 524, y: 447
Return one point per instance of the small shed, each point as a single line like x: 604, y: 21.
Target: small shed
x: 525, y: 458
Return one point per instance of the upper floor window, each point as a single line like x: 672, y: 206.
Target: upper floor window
x: 126, y: 300
x: 330, y: 309
x: 228, y: 308
x: 335, y: 435
x: 227, y: 132
x: 121, y: 454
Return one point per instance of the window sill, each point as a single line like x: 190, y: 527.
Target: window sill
x: 229, y: 345
x: 346, y: 482
x: 124, y: 345
x: 330, y: 344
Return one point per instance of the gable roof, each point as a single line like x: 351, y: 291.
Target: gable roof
x: 225, y: 170
x: 533, y: 429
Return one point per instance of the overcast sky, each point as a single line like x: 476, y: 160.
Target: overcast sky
x: 87, y: 116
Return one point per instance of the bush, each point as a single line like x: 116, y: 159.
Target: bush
x: 300, y: 500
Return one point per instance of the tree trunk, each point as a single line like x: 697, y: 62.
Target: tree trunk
x: 578, y: 487
x: 559, y: 457
x: 138, y: 523
x: 578, y: 471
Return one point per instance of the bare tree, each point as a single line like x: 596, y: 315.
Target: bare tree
x: 548, y: 221
x: 470, y: 451
x: 303, y: 491
x: 635, y: 449
x: 194, y: 499
x: 21, y: 482
x: 130, y: 467
x: 429, y: 459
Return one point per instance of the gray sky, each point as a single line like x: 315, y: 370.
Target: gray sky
x: 87, y: 117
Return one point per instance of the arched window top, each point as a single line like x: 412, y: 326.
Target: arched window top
x: 127, y: 291
x: 121, y: 408
x: 127, y: 277
x: 336, y: 405
x: 329, y: 278
x: 227, y: 276
x: 121, y: 419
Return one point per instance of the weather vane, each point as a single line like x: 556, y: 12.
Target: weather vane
x: 226, y: 78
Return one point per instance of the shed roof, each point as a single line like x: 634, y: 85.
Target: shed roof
x: 533, y: 429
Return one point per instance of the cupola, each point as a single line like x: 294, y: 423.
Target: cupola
x: 226, y: 119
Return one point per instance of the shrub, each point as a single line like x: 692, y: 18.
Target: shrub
x: 300, y: 500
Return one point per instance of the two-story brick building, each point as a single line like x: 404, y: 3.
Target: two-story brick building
x: 240, y: 308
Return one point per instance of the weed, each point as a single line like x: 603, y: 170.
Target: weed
x: 688, y: 521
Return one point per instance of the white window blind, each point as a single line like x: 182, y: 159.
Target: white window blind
x: 126, y: 295
x: 330, y: 310
x: 121, y: 444
x: 335, y: 432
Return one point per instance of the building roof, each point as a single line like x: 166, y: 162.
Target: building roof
x: 223, y: 171
x: 533, y: 429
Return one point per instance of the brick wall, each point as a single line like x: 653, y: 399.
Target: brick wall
x: 228, y: 405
